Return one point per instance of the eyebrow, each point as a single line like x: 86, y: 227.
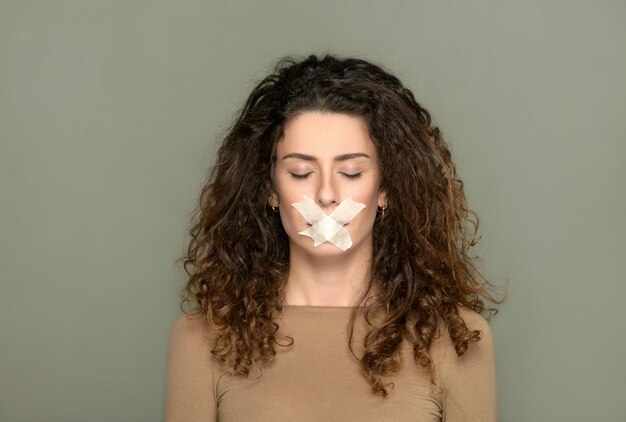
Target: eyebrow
x: 342, y: 157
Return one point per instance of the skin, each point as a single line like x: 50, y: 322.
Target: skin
x: 335, y: 158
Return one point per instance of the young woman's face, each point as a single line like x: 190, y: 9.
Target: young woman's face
x: 327, y: 157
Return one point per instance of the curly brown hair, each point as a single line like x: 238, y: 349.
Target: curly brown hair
x: 238, y: 257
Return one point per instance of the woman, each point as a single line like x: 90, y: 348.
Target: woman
x: 328, y: 269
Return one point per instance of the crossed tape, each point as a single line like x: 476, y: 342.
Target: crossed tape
x: 328, y: 228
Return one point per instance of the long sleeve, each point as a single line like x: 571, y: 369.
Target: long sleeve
x: 469, y: 381
x: 190, y: 393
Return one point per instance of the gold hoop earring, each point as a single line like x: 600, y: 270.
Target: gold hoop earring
x: 269, y: 201
x: 382, y: 210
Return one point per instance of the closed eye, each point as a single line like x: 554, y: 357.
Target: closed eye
x: 300, y: 176
x: 305, y: 175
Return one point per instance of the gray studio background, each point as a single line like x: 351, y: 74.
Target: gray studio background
x: 108, y: 115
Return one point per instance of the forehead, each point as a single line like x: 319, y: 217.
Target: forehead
x: 325, y: 135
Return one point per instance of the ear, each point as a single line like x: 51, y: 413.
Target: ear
x: 273, y: 199
x: 382, y: 198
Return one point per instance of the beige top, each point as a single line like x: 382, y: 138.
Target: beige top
x: 318, y: 379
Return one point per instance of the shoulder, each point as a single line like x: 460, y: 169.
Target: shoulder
x: 478, y: 354
x: 190, y: 343
x: 190, y: 329
x: 192, y: 335
x: 191, y: 371
x: 475, y: 321
x: 469, y: 380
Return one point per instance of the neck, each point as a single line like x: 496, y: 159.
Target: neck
x: 331, y: 280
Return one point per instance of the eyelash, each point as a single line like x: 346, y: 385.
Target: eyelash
x: 304, y: 176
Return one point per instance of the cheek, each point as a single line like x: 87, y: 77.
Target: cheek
x: 290, y: 190
x: 365, y: 219
x: 292, y: 221
x: 288, y: 193
x: 369, y: 197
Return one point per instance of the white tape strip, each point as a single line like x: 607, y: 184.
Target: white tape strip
x: 328, y: 228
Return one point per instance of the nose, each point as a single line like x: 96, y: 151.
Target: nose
x: 327, y: 196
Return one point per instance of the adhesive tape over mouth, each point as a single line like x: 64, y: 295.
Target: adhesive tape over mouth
x: 328, y: 228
